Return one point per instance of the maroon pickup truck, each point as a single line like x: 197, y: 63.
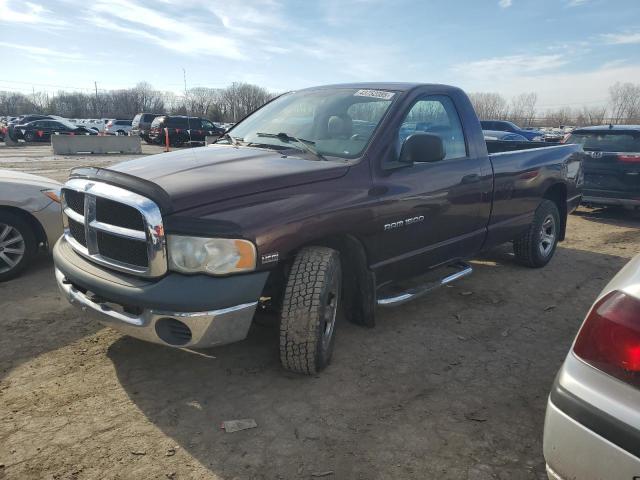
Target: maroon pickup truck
x: 324, y: 200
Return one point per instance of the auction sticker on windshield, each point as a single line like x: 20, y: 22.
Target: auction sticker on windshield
x: 375, y: 94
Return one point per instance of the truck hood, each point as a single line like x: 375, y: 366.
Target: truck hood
x: 204, y: 175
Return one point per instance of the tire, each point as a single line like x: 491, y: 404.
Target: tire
x: 18, y: 245
x: 309, y: 310
x: 535, y: 247
x: 177, y: 142
x: 29, y: 137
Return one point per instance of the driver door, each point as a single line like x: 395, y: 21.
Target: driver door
x: 431, y: 213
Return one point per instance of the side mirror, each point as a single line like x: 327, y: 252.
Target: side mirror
x: 422, y: 147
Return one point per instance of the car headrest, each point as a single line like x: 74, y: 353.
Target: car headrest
x: 339, y: 126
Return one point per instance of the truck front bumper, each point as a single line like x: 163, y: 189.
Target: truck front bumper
x: 177, y: 310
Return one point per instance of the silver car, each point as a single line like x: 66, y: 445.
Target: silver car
x: 30, y: 219
x: 592, y: 426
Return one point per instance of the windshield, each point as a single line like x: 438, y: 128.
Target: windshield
x: 335, y: 121
x: 607, y: 141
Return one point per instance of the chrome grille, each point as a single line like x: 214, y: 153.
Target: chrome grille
x: 114, y: 227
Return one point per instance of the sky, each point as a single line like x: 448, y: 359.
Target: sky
x: 567, y: 51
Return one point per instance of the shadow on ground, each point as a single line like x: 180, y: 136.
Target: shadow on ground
x: 618, y: 216
x: 451, y: 386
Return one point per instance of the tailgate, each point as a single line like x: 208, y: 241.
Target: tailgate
x: 612, y: 161
x: 612, y: 171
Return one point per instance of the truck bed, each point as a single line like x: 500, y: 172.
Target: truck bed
x: 499, y: 146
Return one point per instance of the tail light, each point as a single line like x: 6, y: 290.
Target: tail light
x: 629, y: 158
x: 609, y: 340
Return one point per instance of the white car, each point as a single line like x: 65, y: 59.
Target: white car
x: 30, y: 219
x: 592, y: 426
x: 118, y: 127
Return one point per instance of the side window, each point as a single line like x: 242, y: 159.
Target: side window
x: 178, y: 122
x: 207, y: 125
x: 436, y: 115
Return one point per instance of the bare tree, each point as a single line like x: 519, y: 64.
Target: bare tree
x: 624, y: 100
x: 240, y: 99
x: 488, y: 106
x: 591, y: 116
x: 522, y: 109
x: 559, y: 117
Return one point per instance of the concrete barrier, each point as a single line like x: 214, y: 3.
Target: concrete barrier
x: 72, y: 144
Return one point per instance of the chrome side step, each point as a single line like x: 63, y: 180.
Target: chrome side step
x: 463, y: 269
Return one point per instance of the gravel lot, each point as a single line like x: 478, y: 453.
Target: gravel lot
x: 452, y: 386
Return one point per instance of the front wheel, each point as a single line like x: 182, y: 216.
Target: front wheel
x: 309, y: 310
x: 535, y: 247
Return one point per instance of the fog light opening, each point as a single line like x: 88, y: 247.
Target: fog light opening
x: 172, y: 331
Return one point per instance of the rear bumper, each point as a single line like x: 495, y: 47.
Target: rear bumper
x: 176, y: 310
x: 592, y: 425
x: 573, y: 451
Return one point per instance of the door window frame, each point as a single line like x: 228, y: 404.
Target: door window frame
x: 436, y: 96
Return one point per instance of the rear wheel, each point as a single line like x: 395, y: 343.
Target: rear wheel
x: 17, y: 245
x: 309, y: 310
x: 29, y: 137
x: 535, y: 247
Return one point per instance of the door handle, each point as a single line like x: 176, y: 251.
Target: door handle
x: 471, y: 178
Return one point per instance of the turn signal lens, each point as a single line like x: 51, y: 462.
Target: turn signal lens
x: 53, y: 194
x: 609, y: 339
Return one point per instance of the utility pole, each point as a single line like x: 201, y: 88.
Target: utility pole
x: 186, y: 100
x: 184, y: 76
x: 95, y: 84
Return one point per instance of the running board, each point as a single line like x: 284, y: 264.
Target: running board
x: 463, y: 269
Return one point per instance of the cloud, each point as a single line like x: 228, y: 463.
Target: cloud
x: 510, y: 65
x: 28, y: 13
x: 625, y: 38
x: 43, y: 52
x: 576, y: 3
x: 505, y: 3
x: 168, y: 31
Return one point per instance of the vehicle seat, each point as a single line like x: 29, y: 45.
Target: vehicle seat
x: 340, y: 126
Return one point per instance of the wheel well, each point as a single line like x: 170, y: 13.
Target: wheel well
x: 358, y: 282
x: 557, y: 193
x: 41, y: 236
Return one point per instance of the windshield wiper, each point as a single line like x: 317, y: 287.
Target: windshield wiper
x: 307, y: 145
x: 232, y: 140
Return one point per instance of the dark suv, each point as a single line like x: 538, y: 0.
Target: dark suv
x: 182, y: 130
x: 612, y: 165
x: 141, y: 123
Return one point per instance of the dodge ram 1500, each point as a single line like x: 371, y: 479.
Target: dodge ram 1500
x: 321, y: 201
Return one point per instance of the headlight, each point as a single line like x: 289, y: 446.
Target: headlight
x: 539, y: 138
x: 215, y: 256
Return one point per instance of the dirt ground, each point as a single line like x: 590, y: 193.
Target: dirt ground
x: 452, y: 386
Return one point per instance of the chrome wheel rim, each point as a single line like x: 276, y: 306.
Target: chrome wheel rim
x: 12, y: 247
x: 330, y: 313
x: 547, y: 235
